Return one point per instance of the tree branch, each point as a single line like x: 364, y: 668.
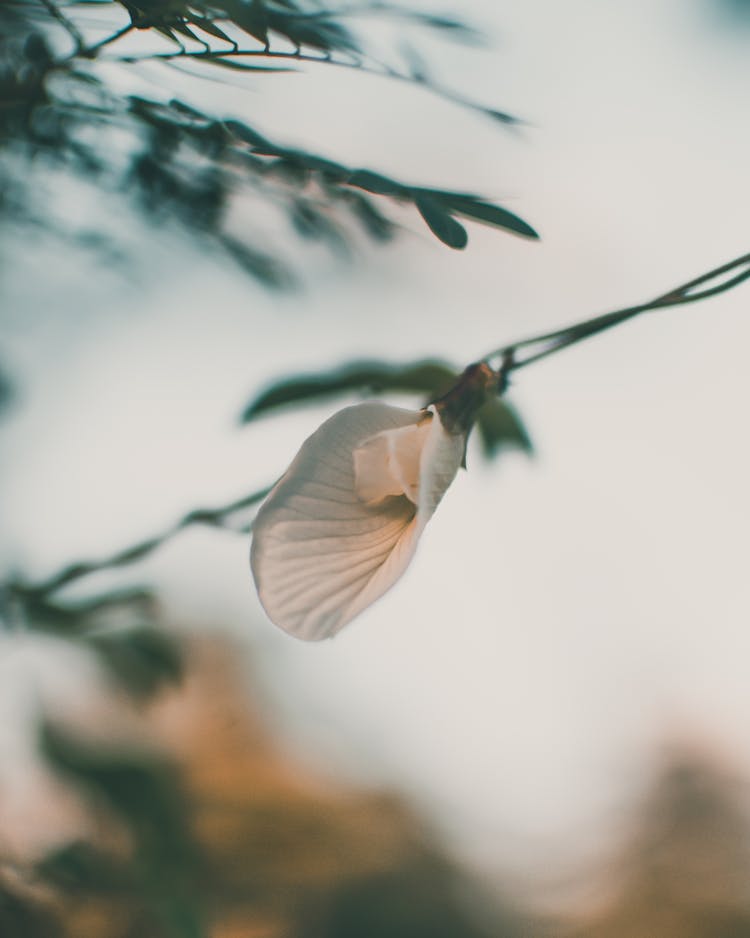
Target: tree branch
x: 213, y: 517
x: 68, y: 25
x: 552, y: 342
x: 90, y: 52
x: 379, y: 71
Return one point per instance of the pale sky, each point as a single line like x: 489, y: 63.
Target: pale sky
x: 564, y: 615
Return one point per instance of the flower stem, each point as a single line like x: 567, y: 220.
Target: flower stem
x: 537, y: 347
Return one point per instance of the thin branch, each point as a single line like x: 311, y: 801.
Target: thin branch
x: 552, y: 342
x: 68, y: 25
x: 213, y: 517
x: 90, y: 52
x: 391, y: 10
x: 379, y: 71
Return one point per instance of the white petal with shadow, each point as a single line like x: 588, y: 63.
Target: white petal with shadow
x: 342, y: 524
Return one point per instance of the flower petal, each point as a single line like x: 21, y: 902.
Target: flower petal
x: 389, y: 463
x: 342, y: 524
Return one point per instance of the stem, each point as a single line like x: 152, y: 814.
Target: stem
x: 550, y: 342
x: 382, y: 71
x: 67, y: 24
x: 90, y: 52
x: 213, y: 517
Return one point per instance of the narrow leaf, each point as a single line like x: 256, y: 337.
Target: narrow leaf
x: 208, y: 26
x: 429, y: 378
x: 141, y: 659
x: 375, y: 183
x: 79, y: 868
x: 440, y: 222
x: 239, y: 66
x: 373, y: 221
x: 265, y: 268
x: 501, y: 116
x: 494, y: 215
x: 499, y: 427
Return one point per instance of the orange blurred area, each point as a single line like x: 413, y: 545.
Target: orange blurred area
x: 278, y: 850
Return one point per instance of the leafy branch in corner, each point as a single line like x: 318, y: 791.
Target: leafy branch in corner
x: 184, y: 167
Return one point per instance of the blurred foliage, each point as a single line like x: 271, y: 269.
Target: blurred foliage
x: 6, y: 392
x: 685, y: 869
x: 159, y: 870
x: 182, y: 166
x: 227, y: 837
x: 25, y: 914
x: 416, y: 901
x: 141, y: 659
x: 737, y: 11
x: 498, y: 424
x: 118, y: 627
x: 432, y: 378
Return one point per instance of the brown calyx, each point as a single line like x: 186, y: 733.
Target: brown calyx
x: 458, y: 407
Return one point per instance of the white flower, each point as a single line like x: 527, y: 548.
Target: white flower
x: 343, y: 522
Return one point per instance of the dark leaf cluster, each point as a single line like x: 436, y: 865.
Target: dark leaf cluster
x: 183, y: 167
x: 156, y: 877
x: 118, y: 627
x: 300, y: 24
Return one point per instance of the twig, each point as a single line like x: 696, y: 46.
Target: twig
x: 68, y: 25
x: 90, y: 52
x: 552, y: 342
x: 382, y: 71
x: 213, y: 517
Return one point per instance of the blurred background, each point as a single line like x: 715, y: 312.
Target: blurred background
x: 544, y: 728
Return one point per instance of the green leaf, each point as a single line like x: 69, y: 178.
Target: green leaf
x: 265, y: 268
x: 457, y: 27
x: 142, y: 660
x: 247, y: 134
x: 6, y: 391
x: 500, y: 427
x: 26, y: 914
x: 375, y: 183
x: 315, y: 163
x: 494, y: 215
x: 208, y: 26
x: 501, y: 116
x: 372, y: 220
x: 318, y: 32
x: 143, y: 791
x: 76, y: 619
x: 185, y: 30
x: 140, y: 787
x: 440, y: 222
x: 251, y: 18
x: 240, y: 66
x: 80, y: 868
x: 168, y: 34
x: 310, y: 222
x: 431, y: 378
